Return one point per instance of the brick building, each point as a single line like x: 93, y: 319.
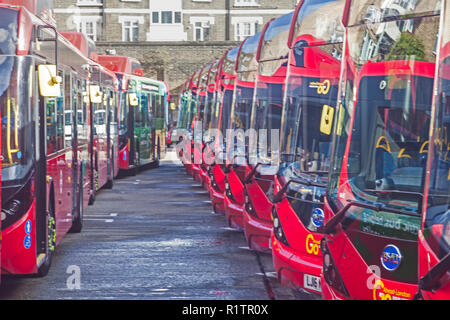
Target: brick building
x: 168, y: 20
x: 171, y: 38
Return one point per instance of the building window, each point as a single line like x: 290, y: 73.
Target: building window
x: 89, y: 2
x: 245, y: 3
x: 202, y: 31
x: 155, y: 17
x: 201, y: 28
x: 88, y: 26
x: 167, y: 17
x: 130, y: 27
x: 245, y: 27
x: 130, y: 31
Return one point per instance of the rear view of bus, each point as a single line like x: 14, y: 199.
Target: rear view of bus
x: 372, y: 209
x: 306, y: 134
x: 434, y: 238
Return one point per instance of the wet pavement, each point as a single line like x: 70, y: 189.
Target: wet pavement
x: 154, y: 236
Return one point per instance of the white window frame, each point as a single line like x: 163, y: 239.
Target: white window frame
x: 98, y: 3
x: 160, y: 17
x: 131, y: 19
x: 238, y: 23
x: 205, y: 21
x: 82, y: 21
x: 246, y: 3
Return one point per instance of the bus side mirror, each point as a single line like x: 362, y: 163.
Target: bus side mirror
x: 49, y: 81
x: 133, y: 99
x: 95, y: 94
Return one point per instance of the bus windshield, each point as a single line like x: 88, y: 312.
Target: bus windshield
x: 266, y: 118
x: 438, y: 205
x: 17, y: 126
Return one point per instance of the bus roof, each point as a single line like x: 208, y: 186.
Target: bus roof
x: 370, y: 11
x: 246, y: 60
x: 121, y: 64
x: 273, y: 44
x: 308, y: 12
x: 83, y: 43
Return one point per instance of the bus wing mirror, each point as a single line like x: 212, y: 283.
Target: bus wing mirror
x: 95, y: 94
x: 49, y: 81
x: 133, y: 99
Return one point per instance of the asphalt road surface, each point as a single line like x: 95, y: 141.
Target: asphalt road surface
x: 154, y: 236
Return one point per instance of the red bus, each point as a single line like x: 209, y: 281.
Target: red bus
x: 237, y: 144
x: 372, y: 206
x: 142, y: 114
x: 181, y: 133
x: 103, y: 146
x: 43, y: 173
x: 225, y: 83
x: 267, y: 107
x: 434, y: 236
x: 197, y: 141
x: 312, y: 83
x: 209, y: 118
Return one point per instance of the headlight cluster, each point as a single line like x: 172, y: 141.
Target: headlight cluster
x: 228, y: 191
x: 278, y: 229
x: 249, y: 204
x: 330, y: 272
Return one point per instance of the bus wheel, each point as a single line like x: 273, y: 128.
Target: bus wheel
x: 51, y: 240
x: 94, y: 188
x: 110, y: 183
x: 77, y: 223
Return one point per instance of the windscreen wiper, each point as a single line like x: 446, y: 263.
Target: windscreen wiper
x: 280, y: 194
x: 431, y: 280
x: 330, y: 227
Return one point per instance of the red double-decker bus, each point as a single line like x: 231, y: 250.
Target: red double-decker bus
x: 237, y: 167
x: 225, y: 83
x: 142, y: 114
x: 209, y: 123
x: 434, y: 236
x: 44, y: 173
x: 103, y: 146
x: 197, y: 141
x: 306, y: 134
x: 272, y: 57
x: 373, y: 203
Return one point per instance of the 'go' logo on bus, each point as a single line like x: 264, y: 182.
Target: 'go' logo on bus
x: 312, y: 245
x: 322, y: 87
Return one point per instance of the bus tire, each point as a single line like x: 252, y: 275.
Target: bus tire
x: 51, y: 234
x: 94, y: 188
x: 110, y: 183
x: 77, y: 223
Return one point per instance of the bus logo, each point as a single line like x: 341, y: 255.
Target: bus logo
x: 318, y: 217
x: 322, y: 87
x: 391, y: 257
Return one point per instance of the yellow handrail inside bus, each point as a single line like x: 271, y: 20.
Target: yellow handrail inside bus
x: 9, y: 150
x: 386, y: 147
x: 424, y: 145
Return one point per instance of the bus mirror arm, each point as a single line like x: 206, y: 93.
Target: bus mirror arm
x: 248, y: 179
x: 431, y: 280
x: 280, y: 194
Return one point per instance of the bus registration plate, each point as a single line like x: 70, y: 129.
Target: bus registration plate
x: 312, y: 283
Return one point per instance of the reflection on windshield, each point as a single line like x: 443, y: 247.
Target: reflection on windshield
x: 389, y: 145
x: 438, y: 211
x: 17, y: 146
